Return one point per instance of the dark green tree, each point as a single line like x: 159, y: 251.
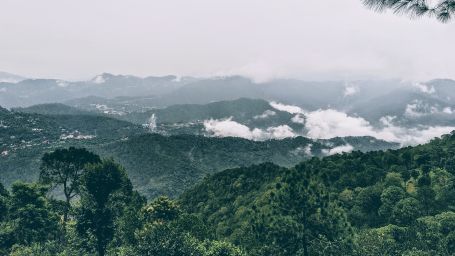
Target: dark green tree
x: 160, y: 235
x: 389, y: 197
x: 29, y: 216
x: 406, y: 211
x: 64, y: 167
x: 3, y: 202
x: 305, y: 200
x: 443, y: 10
x: 101, y: 186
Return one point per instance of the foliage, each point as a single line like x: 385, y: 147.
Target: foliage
x: 443, y: 10
x: 64, y: 168
x: 395, y: 202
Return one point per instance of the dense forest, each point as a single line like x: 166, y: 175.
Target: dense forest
x: 394, y: 202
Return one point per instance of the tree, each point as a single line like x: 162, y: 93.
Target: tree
x: 389, y: 197
x: 305, y: 203
x: 29, y: 215
x: 101, y: 186
x: 443, y: 10
x: 3, y: 202
x: 406, y: 211
x: 160, y: 235
x: 162, y: 209
x: 64, y: 167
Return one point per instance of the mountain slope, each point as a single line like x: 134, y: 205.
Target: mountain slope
x: 157, y: 164
x: 394, y: 199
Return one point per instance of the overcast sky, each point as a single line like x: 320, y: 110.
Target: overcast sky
x: 263, y: 39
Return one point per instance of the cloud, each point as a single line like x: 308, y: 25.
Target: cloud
x: 229, y: 128
x: 266, y: 114
x: 287, y: 108
x: 298, y: 119
x: 303, y: 150
x: 350, y: 90
x: 62, y: 83
x: 330, y: 123
x: 338, y: 150
x: 448, y: 110
x: 418, y: 108
x: 425, y: 88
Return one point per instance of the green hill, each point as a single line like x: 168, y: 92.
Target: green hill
x: 52, y: 109
x: 394, y: 200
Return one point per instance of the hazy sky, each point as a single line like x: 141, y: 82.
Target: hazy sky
x: 310, y: 39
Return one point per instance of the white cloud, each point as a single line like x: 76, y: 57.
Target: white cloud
x: 330, y: 123
x: 287, y: 108
x: 299, y: 119
x: 279, y: 132
x: 448, y: 110
x: 229, y: 128
x: 418, y: 108
x: 425, y: 88
x: 62, y: 83
x: 305, y: 150
x: 338, y: 150
x: 350, y: 90
x: 266, y: 114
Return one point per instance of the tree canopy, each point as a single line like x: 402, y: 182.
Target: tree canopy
x: 443, y: 10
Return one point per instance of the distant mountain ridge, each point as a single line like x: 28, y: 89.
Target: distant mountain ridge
x: 6, y: 77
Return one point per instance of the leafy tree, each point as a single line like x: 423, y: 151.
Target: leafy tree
x: 30, y: 219
x: 100, y: 185
x: 161, y: 239
x: 47, y: 248
x: 437, y: 232
x: 393, y: 179
x: 3, y: 202
x: 381, y: 241
x: 406, y: 211
x: 64, y: 167
x: 303, y: 197
x: 162, y: 209
x: 443, y: 10
x: 366, y: 203
x: 425, y: 193
x: 389, y: 197
x: 220, y: 248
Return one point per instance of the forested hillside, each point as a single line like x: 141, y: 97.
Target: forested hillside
x: 395, y: 202
x: 157, y: 164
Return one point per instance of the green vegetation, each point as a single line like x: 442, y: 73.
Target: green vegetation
x: 156, y: 164
x: 443, y: 10
x: 397, y: 202
x: 394, y: 202
x: 110, y: 218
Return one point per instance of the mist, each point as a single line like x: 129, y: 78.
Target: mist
x: 311, y: 40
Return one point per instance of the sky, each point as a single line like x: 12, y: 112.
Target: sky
x: 304, y: 39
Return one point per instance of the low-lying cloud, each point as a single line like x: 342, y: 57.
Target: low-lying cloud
x: 326, y: 124
x: 266, y: 114
x: 350, y: 90
x: 338, y: 150
x: 229, y: 128
x: 330, y: 123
